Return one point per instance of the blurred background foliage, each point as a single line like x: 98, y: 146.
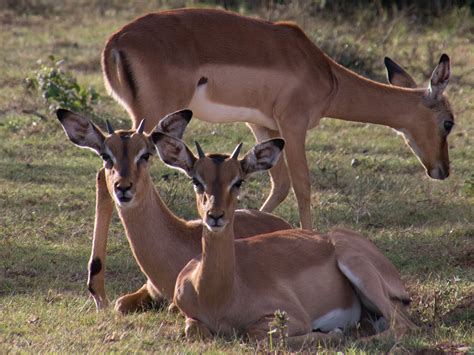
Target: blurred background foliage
x: 422, y: 8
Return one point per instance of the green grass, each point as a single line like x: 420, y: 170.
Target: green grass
x: 47, y: 187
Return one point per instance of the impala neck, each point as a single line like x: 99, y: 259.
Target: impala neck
x: 217, y: 266
x: 358, y: 99
x: 161, y: 242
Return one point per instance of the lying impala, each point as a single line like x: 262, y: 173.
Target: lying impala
x: 161, y: 242
x: 230, y: 68
x: 321, y: 281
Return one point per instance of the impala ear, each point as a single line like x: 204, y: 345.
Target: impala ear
x: 174, y: 124
x: 174, y: 153
x: 80, y: 130
x: 397, y: 76
x: 262, y: 156
x: 440, y: 78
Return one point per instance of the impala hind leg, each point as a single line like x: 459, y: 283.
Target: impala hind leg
x: 103, y: 216
x: 279, y: 177
x: 295, y: 154
x: 376, y: 295
x: 197, y: 330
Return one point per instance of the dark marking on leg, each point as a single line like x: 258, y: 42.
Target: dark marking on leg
x: 202, y: 81
x: 95, y: 267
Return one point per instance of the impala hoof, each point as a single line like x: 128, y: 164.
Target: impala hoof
x: 196, y: 330
x: 101, y: 303
x: 172, y: 308
x: 126, y: 304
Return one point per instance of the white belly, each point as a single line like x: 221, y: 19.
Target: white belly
x: 215, y: 112
x: 339, y: 318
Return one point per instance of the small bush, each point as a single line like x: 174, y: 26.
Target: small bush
x: 59, y: 88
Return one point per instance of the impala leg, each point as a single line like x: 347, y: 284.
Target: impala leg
x: 144, y: 298
x: 295, y: 154
x: 103, y: 216
x: 259, y: 330
x: 371, y: 285
x: 195, y: 329
x: 172, y: 308
x: 134, y: 302
x: 296, y: 343
x: 279, y: 177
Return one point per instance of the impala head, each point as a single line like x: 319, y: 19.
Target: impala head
x: 428, y: 132
x: 126, y: 154
x: 217, y: 178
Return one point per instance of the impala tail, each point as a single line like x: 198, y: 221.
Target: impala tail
x: 119, y: 78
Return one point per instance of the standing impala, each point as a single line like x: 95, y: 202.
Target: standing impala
x: 230, y: 68
x: 235, y: 286
x: 161, y: 242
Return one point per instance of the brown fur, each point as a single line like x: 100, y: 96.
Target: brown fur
x: 270, y: 67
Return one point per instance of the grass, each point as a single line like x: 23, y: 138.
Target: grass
x: 47, y: 186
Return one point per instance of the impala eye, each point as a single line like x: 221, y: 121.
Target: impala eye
x: 145, y: 157
x: 238, y: 184
x: 107, y: 160
x: 448, y: 126
x: 198, y: 185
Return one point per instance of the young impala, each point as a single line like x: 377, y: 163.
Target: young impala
x: 235, y: 286
x: 161, y: 242
x: 230, y: 68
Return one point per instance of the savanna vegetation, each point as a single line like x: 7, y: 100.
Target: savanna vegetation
x: 363, y: 176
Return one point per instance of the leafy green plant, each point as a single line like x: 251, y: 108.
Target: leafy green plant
x: 59, y: 88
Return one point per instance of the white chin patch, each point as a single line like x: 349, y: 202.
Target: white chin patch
x: 123, y: 202
x: 214, y: 229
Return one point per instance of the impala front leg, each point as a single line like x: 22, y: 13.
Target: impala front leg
x: 197, y: 330
x: 260, y: 329
x: 144, y: 298
x: 103, y: 216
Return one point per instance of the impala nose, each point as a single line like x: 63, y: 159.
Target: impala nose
x: 123, y: 193
x: 439, y: 173
x: 215, y: 220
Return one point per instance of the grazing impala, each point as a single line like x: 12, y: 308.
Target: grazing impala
x: 235, y: 286
x: 230, y: 68
x: 161, y: 242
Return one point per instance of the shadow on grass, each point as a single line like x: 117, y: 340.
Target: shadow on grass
x: 47, y: 267
x: 395, y: 214
x: 44, y: 173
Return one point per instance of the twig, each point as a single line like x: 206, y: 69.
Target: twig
x: 35, y: 113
